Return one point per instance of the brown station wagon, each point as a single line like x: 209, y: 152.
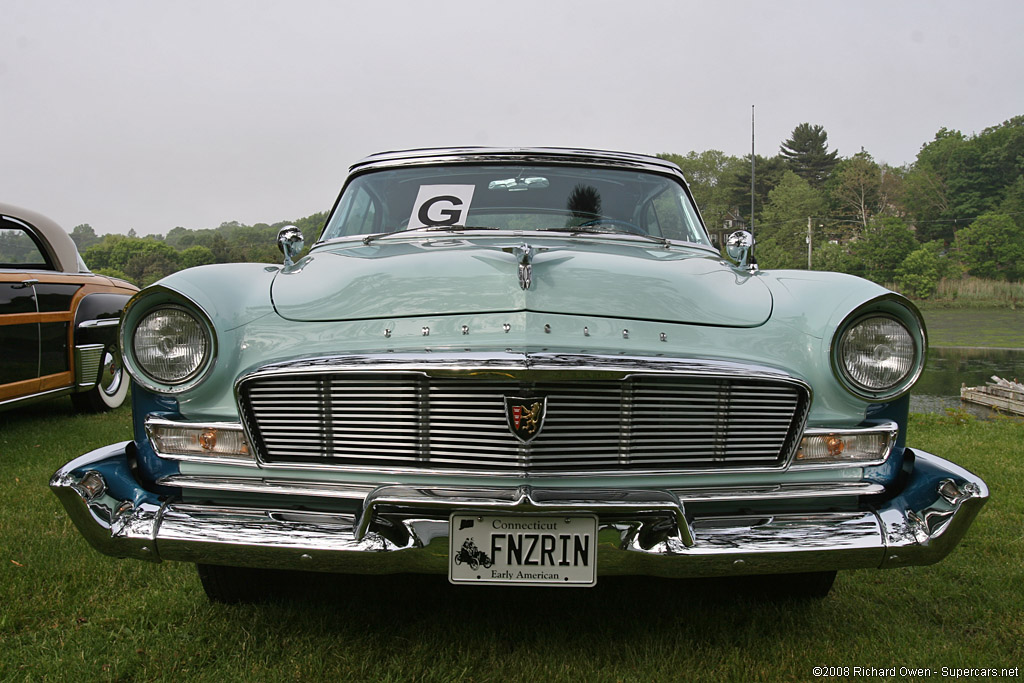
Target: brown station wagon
x: 58, y: 321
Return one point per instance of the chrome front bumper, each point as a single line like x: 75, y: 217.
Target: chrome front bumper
x: 400, y: 529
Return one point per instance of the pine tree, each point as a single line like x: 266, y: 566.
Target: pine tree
x: 806, y: 153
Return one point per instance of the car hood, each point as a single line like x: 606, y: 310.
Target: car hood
x: 403, y: 278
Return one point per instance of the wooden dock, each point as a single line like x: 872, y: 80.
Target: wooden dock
x: 1000, y: 394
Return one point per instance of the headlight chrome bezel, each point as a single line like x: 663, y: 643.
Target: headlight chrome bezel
x: 891, y: 308
x: 140, y: 308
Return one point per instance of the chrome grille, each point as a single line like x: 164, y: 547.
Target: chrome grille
x: 413, y: 420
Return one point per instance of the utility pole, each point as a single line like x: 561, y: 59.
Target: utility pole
x: 809, y: 237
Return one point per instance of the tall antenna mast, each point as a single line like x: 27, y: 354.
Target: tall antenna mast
x: 751, y: 169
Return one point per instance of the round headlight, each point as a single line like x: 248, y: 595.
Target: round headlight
x: 170, y: 345
x: 877, y: 354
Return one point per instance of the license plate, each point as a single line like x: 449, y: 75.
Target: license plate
x: 521, y: 550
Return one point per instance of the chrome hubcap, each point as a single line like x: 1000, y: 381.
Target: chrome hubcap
x: 111, y: 374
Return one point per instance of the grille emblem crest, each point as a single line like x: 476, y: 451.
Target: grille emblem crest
x: 525, y: 416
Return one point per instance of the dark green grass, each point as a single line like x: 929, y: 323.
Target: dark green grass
x: 68, y: 613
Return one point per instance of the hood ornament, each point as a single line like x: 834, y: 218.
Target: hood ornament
x: 524, y: 255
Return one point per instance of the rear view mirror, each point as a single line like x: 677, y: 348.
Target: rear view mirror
x: 518, y: 184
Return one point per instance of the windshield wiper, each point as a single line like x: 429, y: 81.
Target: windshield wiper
x: 580, y: 230
x: 433, y: 228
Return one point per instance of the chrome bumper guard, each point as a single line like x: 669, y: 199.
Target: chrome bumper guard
x: 401, y: 529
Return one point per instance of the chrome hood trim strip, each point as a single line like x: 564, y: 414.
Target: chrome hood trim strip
x: 523, y: 365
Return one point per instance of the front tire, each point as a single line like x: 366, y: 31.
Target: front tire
x: 111, y: 386
x: 801, y: 586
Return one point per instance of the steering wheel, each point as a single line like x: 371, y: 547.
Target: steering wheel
x: 630, y: 227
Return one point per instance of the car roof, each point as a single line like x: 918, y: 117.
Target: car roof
x: 547, y: 155
x: 62, y: 248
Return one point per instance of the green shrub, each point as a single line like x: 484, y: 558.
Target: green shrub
x: 992, y: 247
x: 918, y: 275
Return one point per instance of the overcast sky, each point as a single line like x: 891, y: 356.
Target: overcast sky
x: 151, y: 115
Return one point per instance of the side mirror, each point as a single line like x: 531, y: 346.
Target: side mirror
x: 739, y: 246
x: 290, y: 241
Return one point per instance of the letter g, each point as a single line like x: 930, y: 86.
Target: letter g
x: 447, y: 216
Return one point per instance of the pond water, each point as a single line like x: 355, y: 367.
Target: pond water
x: 949, y: 367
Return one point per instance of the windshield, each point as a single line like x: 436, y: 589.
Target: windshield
x: 517, y: 197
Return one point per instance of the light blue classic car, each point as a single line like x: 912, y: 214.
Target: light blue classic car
x: 519, y: 366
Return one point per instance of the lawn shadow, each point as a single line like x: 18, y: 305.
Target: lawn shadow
x: 405, y: 605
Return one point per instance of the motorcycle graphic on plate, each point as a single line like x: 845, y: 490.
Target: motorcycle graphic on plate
x: 472, y: 555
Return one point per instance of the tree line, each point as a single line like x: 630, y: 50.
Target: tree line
x: 957, y: 210
x: 144, y: 260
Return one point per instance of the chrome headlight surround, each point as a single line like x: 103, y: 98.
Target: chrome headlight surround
x: 195, y: 336
x: 887, y: 333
